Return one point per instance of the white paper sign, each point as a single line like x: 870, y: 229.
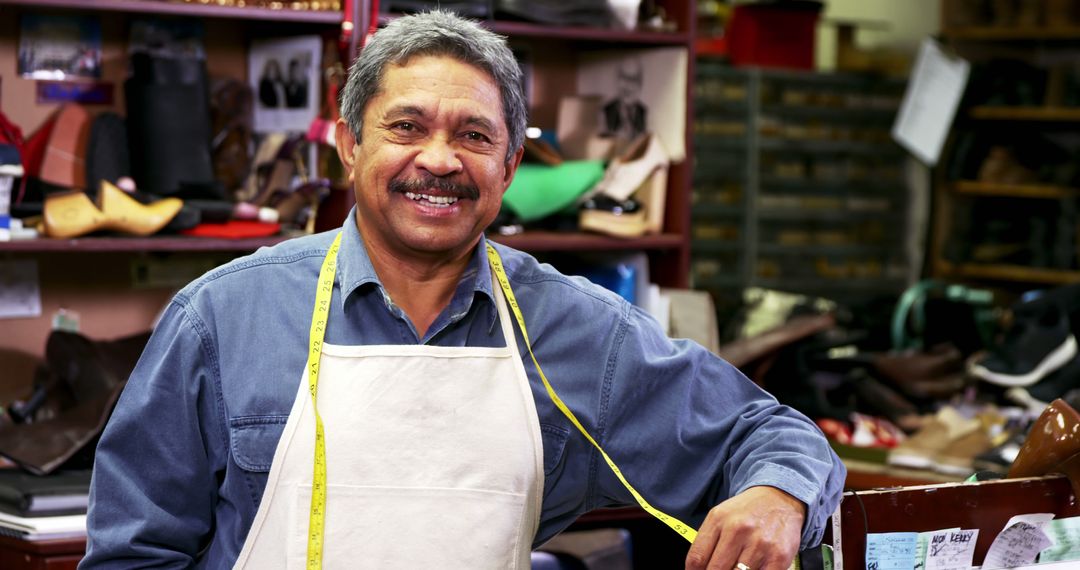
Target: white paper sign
x: 930, y: 102
x: 951, y: 549
x: 1017, y: 545
x: 20, y: 291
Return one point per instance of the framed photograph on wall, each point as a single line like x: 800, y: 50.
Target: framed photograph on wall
x: 284, y: 76
x: 59, y: 48
x: 640, y: 90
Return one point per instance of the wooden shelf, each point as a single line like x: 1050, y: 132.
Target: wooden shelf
x: 137, y: 244
x: 329, y: 17
x: 863, y: 475
x: 1013, y: 190
x: 1004, y: 113
x: 582, y: 34
x: 1003, y: 272
x: 997, y: 33
x: 599, y: 35
x: 562, y: 241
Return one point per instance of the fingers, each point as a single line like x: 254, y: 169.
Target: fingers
x: 701, y: 551
x: 758, y: 528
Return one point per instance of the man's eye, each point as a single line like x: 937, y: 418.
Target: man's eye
x: 475, y: 136
x: 404, y: 126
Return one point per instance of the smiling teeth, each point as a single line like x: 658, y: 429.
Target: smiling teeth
x: 437, y: 200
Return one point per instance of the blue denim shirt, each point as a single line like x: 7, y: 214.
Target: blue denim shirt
x: 183, y: 462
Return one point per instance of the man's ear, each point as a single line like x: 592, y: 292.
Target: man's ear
x: 511, y: 167
x: 345, y: 143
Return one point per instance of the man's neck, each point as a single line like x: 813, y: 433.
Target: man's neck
x: 421, y: 285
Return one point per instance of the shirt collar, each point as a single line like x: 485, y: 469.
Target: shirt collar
x: 355, y: 268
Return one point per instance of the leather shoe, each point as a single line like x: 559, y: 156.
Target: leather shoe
x: 1052, y: 445
x: 936, y: 374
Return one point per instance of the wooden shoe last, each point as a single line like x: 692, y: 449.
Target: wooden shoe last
x: 73, y: 214
x: 126, y: 214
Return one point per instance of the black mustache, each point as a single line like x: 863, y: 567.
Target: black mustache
x: 443, y: 185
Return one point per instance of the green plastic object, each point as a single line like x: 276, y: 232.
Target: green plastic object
x: 539, y: 190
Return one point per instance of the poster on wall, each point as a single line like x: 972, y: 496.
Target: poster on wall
x: 284, y: 76
x: 59, y: 48
x: 640, y: 91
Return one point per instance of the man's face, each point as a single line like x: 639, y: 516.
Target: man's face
x: 430, y: 171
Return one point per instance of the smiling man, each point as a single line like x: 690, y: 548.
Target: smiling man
x: 359, y: 398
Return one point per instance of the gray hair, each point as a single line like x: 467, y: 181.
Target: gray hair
x: 436, y: 33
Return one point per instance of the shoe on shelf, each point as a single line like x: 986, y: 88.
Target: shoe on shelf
x: 1001, y: 167
x: 73, y: 214
x: 645, y: 217
x: 958, y: 457
x: 1000, y: 457
x: 1039, y: 341
x: 1052, y: 445
x: 934, y: 374
x: 630, y: 171
x: 920, y: 450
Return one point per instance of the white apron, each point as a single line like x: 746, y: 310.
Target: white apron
x: 434, y: 460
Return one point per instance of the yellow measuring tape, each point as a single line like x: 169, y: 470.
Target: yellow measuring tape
x: 320, y: 314
x: 319, y: 317
x: 685, y: 530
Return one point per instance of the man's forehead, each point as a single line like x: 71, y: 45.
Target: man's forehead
x: 391, y: 102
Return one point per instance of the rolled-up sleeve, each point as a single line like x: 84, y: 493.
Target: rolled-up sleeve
x: 694, y: 431
x: 153, y: 489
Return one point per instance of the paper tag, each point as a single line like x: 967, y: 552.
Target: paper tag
x: 951, y: 549
x: 1017, y: 545
x: 1038, y: 519
x: 891, y: 550
x: 921, y: 545
x: 1066, y: 536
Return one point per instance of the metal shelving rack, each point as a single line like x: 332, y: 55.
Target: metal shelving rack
x: 746, y: 126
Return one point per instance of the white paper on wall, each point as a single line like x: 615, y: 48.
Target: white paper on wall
x: 930, y: 102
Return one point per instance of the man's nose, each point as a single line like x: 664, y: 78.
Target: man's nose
x: 439, y: 156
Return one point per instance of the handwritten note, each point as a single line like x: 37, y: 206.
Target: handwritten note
x: 921, y: 546
x: 1038, y: 519
x: 1017, y: 545
x: 1066, y: 536
x: 891, y: 550
x: 951, y: 549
